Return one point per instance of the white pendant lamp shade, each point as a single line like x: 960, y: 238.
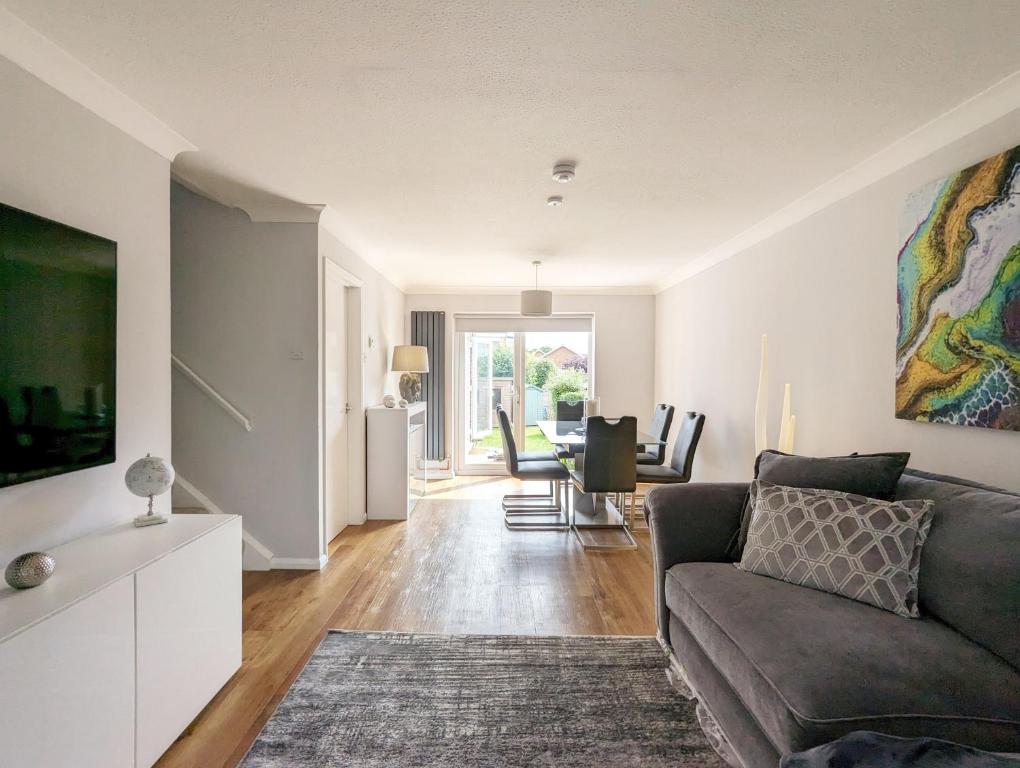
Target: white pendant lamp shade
x: 536, y: 303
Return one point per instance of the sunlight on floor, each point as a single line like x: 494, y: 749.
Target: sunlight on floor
x: 479, y: 487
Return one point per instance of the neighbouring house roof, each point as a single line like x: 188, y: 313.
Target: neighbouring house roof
x: 559, y: 354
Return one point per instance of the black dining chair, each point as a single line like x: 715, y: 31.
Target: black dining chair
x: 662, y: 419
x: 569, y: 410
x: 681, y: 462
x: 521, y: 505
x: 531, y: 455
x: 608, y: 465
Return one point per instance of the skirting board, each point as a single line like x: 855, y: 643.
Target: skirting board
x: 439, y: 469
x: 299, y: 563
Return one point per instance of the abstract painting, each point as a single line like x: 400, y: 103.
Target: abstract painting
x: 958, y: 288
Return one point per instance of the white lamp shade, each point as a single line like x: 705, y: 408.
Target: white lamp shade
x: 410, y: 358
x: 536, y: 303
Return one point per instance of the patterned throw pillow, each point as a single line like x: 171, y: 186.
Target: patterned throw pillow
x: 865, y: 549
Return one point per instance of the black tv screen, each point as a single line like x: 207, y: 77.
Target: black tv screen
x: 58, y: 348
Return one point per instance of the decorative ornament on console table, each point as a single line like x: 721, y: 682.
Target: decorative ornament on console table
x: 389, y: 401
x: 149, y: 477
x: 29, y: 570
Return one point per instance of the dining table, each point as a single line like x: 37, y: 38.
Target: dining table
x: 597, y: 522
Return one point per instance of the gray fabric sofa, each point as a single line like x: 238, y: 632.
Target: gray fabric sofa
x: 783, y: 668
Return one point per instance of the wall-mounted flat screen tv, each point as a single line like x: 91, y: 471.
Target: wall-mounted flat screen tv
x: 58, y: 348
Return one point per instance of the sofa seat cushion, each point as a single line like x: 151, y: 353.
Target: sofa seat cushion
x: 812, y: 667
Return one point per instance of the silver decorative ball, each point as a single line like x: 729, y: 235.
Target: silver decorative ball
x: 29, y: 570
x: 150, y: 476
x: 402, y: 403
x: 389, y: 401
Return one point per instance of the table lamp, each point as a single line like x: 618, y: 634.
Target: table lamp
x: 412, y: 361
x: 150, y: 477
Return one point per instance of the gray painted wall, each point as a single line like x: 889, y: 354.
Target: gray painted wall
x: 824, y: 291
x: 246, y: 319
x: 60, y: 161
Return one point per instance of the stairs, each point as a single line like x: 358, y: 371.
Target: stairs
x: 186, y: 499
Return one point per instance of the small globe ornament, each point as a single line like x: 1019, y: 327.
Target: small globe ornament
x: 389, y: 401
x: 149, y: 477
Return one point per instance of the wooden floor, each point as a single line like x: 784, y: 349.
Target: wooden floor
x: 452, y: 568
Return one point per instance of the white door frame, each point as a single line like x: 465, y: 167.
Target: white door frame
x: 355, y: 366
x: 460, y: 467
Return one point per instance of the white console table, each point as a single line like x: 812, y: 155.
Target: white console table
x: 396, y: 460
x: 108, y: 662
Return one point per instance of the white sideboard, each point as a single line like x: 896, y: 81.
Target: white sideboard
x: 109, y: 661
x: 396, y: 460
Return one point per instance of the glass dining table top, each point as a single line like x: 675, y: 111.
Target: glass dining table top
x: 572, y: 433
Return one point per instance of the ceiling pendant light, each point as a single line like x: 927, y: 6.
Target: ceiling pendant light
x: 536, y: 303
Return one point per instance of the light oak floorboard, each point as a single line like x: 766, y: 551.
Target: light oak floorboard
x: 452, y: 568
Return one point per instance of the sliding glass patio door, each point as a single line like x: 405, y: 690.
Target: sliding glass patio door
x: 523, y: 366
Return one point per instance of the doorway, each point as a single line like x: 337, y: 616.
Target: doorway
x: 524, y: 371
x: 342, y: 407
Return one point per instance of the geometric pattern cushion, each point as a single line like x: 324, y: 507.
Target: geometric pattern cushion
x: 865, y: 549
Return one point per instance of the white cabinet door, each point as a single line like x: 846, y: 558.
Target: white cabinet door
x: 67, y: 686
x: 188, y: 634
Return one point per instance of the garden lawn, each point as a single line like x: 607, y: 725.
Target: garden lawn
x: 534, y: 440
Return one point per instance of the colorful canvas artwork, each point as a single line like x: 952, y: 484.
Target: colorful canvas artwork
x: 958, y: 287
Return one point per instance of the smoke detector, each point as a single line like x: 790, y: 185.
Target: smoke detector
x: 564, y: 172
x: 554, y: 202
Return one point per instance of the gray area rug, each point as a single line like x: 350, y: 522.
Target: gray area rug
x: 374, y: 699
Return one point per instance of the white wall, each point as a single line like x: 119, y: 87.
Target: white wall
x: 245, y: 306
x: 624, y: 328
x: 62, y: 162
x: 382, y: 306
x: 824, y: 291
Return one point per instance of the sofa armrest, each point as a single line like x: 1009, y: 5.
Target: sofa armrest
x: 690, y: 523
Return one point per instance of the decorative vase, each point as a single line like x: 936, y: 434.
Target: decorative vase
x: 410, y: 387
x: 30, y: 570
x: 761, y: 402
x: 787, y: 423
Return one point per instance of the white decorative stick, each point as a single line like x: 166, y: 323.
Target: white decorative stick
x: 785, y: 438
x: 761, y: 405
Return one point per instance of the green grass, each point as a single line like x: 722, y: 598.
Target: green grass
x: 534, y: 440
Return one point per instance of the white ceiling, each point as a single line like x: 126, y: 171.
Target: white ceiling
x: 432, y: 127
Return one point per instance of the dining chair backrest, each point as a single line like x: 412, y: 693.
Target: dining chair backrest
x: 569, y: 410
x: 509, y: 446
x: 691, y: 424
x: 662, y: 420
x: 609, y: 465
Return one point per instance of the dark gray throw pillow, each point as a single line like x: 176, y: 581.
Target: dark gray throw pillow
x: 874, y: 475
x: 866, y: 549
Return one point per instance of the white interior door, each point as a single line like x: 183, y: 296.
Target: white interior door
x: 336, y: 421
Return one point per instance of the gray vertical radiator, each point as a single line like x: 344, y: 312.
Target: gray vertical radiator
x: 428, y: 329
